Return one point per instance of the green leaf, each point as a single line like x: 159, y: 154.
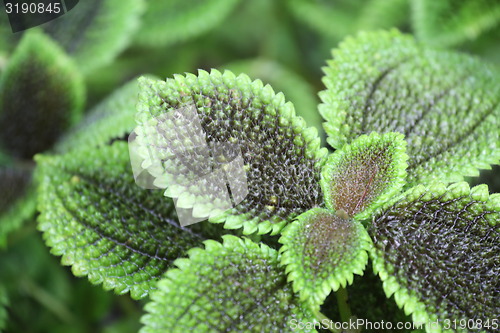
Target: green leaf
x: 451, y: 22
x: 330, y: 18
x: 102, y: 224
x: 167, y: 22
x: 281, y: 157
x: 18, y: 198
x: 96, y: 31
x: 112, y: 119
x: 4, y: 302
x: 300, y: 92
x: 445, y: 103
x: 41, y: 94
x: 436, y: 250
x: 362, y: 176
x: 321, y: 251
x: 378, y: 14
x: 237, y: 286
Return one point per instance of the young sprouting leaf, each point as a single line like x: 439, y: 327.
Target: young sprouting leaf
x: 106, y: 227
x: 237, y: 286
x: 112, y: 119
x: 167, y: 22
x: 321, y: 251
x: 446, y: 104
x: 437, y: 251
x: 280, y: 158
x: 41, y: 94
x: 362, y: 176
x: 17, y: 202
x: 96, y: 31
x: 451, y: 22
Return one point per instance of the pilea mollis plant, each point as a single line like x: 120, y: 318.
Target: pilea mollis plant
x: 406, y: 124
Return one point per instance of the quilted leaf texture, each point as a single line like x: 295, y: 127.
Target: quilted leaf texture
x: 446, y: 104
x: 436, y: 249
x: 41, y: 95
x: 212, y: 292
x: 282, y: 158
x: 106, y: 227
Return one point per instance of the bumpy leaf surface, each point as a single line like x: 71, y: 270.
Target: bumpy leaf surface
x: 446, y: 104
x: 365, y: 174
x: 237, y: 286
x: 450, y: 22
x: 105, y: 226
x: 167, y: 22
x: 41, y: 94
x: 282, y: 158
x: 437, y: 251
x: 321, y: 251
x: 96, y: 31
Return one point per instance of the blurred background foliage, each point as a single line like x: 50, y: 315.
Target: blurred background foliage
x: 109, y: 42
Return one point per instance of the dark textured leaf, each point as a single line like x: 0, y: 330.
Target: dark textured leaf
x: 112, y: 119
x: 322, y: 251
x: 96, y: 31
x: 167, y: 22
x: 365, y: 174
x: 282, y: 158
x: 450, y: 22
x: 105, y: 226
x: 437, y: 251
x: 41, y: 94
x: 237, y: 286
x: 446, y: 104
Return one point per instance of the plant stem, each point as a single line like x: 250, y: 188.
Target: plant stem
x: 322, y: 317
x: 343, y: 303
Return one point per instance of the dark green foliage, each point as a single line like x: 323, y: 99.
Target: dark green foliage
x: 451, y: 22
x: 41, y: 95
x: 212, y: 292
x: 446, y: 104
x: 96, y: 31
x: 282, y: 158
x: 112, y: 119
x: 437, y: 250
x: 105, y: 226
x: 167, y: 22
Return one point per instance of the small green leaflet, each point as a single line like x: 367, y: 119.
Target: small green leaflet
x: 167, y: 22
x: 436, y: 249
x: 446, y: 104
x: 322, y: 251
x: 237, y: 286
x: 282, y: 158
x: 365, y: 174
x: 105, y: 226
x: 41, y: 95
